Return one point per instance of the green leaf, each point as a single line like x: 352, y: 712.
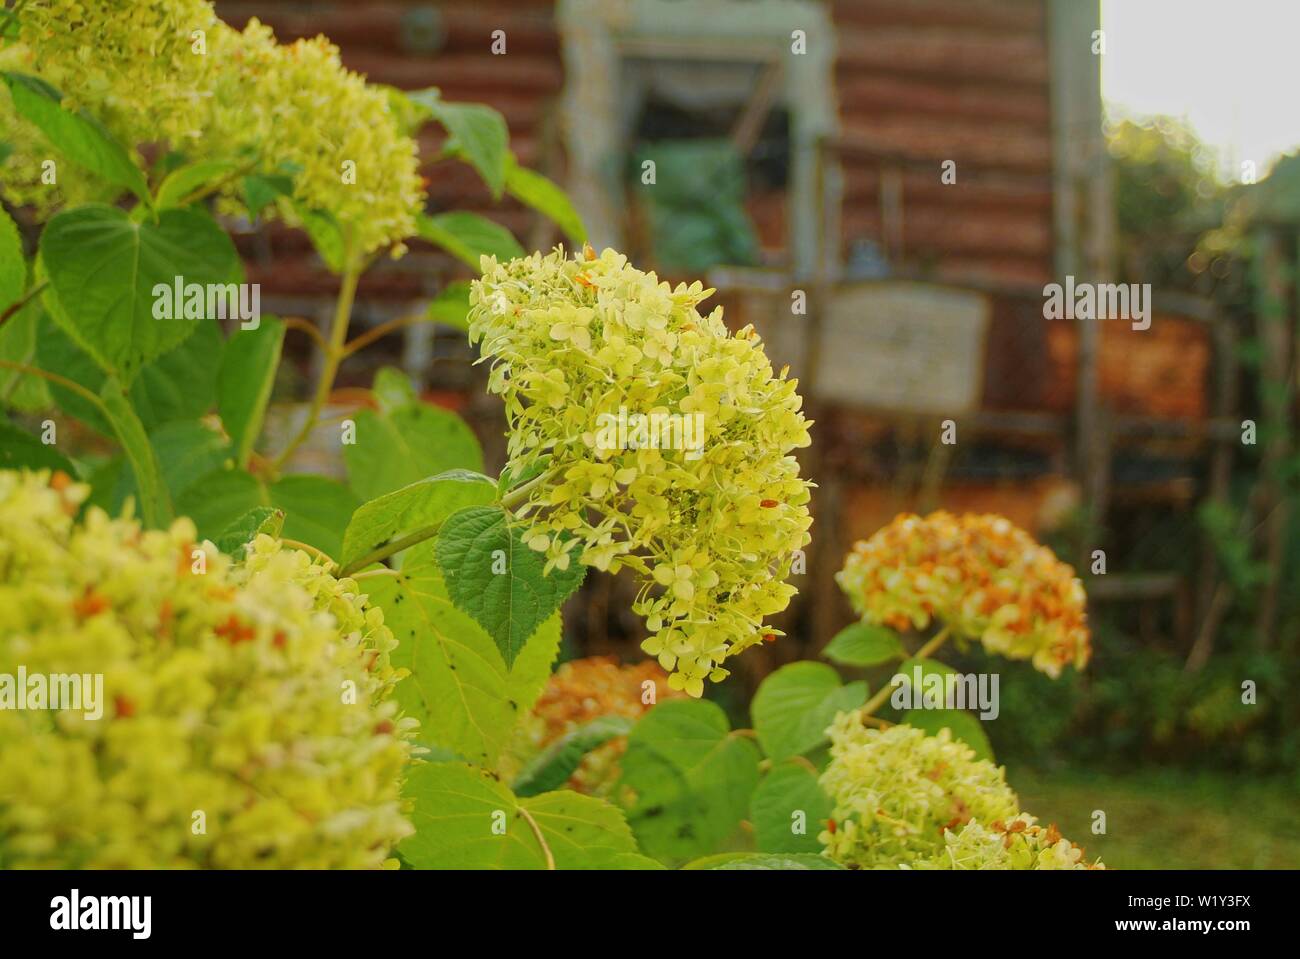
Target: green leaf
x: 468, y: 237
x: 155, y: 502
x: 20, y: 450
x: 552, y: 767
x: 184, y: 181
x: 543, y: 195
x: 863, y: 644
x: 186, y: 452
x: 794, y: 706
x: 397, y: 448
x: 492, y: 575
x: 258, y: 520
x: 18, y: 344
x: 929, y: 667
x: 316, y: 509
x: 451, y: 306
x: 759, y: 860
x: 325, y: 234
x: 248, y: 367
x: 78, y: 136
x: 477, y: 135
x: 103, y: 270
x: 261, y: 190
x: 393, y: 390
x: 692, y: 778
x: 13, y: 270
x: 460, y: 690
x: 423, y: 503
x: 465, y: 818
x: 964, y: 726
x: 180, y: 385
x: 788, y: 809
x: 219, y: 499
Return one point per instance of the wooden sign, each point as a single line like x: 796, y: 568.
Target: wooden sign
x: 905, y: 346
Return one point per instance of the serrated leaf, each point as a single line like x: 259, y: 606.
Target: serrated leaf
x: 964, y: 726
x: 257, y: 521
x: 316, y: 509
x: 78, y: 136
x: 492, y: 575
x: 692, y: 778
x: 758, y: 860
x: 789, y: 798
x: 248, y: 367
x: 460, y: 690
x: 553, y: 766
x: 547, y: 198
x: 103, y: 269
x: 477, y: 134
x: 465, y: 818
x: 395, y: 449
x: 20, y: 450
x: 423, y: 503
x: 864, y: 644
x: 794, y: 706
x: 468, y: 237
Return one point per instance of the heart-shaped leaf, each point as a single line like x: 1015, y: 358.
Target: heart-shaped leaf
x: 104, y: 268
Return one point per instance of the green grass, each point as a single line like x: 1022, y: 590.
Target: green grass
x: 1165, y: 819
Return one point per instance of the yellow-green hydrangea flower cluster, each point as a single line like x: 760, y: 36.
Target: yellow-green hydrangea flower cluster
x: 1018, y: 843
x: 897, y: 790
x: 604, y: 370
x: 247, y: 710
x: 170, y: 72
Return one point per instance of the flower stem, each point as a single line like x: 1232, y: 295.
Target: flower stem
x: 62, y: 381
x: 333, y: 356
x: 23, y: 300
x: 521, y: 493
x: 308, y: 549
x: 390, y: 549
x: 878, y: 700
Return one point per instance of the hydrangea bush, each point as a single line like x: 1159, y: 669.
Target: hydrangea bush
x: 303, y: 670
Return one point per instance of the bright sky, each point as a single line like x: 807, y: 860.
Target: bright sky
x: 1231, y: 68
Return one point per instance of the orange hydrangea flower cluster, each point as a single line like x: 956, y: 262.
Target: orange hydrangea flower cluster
x: 982, y: 576
x: 586, y: 689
